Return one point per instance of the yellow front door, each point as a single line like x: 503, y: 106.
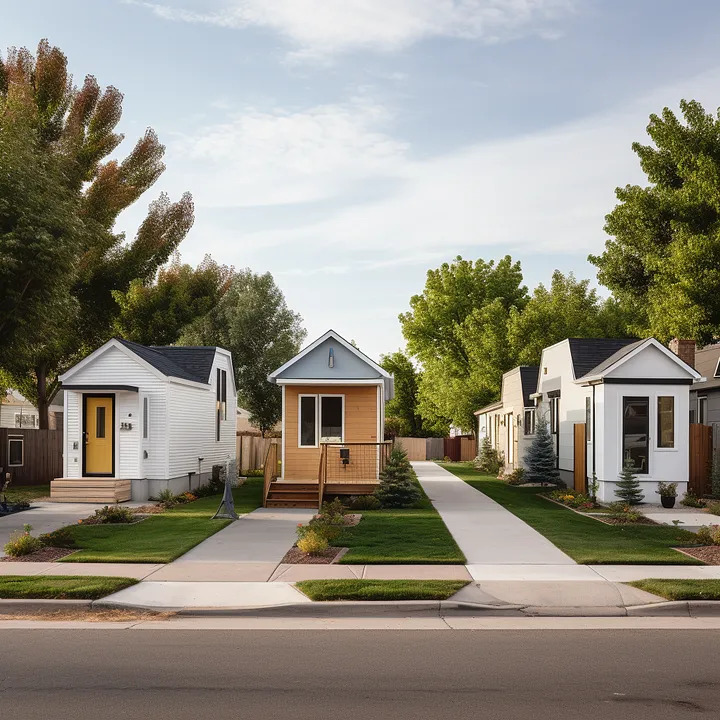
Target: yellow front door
x: 98, y: 435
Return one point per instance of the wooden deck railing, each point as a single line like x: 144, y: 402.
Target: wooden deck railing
x: 270, y: 469
x: 322, y: 475
x: 353, y: 462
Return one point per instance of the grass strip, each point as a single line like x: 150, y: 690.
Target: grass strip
x: 160, y: 538
x: 585, y: 540
x: 27, y: 493
x: 323, y: 590
x: 412, y: 536
x: 60, y: 587
x: 680, y: 589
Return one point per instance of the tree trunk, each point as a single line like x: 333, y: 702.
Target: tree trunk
x: 42, y: 398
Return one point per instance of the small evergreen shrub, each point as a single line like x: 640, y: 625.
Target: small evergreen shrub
x: 22, y: 543
x: 397, y: 488
x: 709, y: 535
x: 363, y: 502
x: 333, y: 512
x: 628, y: 486
x: 312, y: 542
x: 489, y: 460
x: 540, y: 461
x: 114, y: 515
x: 713, y: 507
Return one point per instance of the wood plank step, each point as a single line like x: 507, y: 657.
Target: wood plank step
x: 285, y: 497
x: 291, y: 504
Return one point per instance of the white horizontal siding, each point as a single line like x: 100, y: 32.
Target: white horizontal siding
x: 73, y: 457
x: 127, y: 450
x: 192, y: 425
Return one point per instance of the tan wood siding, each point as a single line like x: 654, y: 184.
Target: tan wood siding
x: 361, y: 421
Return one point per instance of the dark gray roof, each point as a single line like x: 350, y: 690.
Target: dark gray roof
x: 590, y: 353
x: 706, y: 363
x: 528, y: 380
x: 185, y: 362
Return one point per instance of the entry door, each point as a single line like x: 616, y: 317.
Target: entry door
x: 98, y: 430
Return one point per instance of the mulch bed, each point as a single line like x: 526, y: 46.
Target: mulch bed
x: 92, y: 520
x: 603, y: 518
x: 47, y: 554
x: 295, y: 556
x: 709, y: 554
x: 148, y: 510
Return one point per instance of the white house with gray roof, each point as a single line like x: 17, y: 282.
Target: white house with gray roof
x: 610, y: 400
x: 139, y: 420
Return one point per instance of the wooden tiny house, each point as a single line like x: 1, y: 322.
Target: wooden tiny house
x: 333, y: 399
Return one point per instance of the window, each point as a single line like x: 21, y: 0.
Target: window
x: 702, y: 410
x: 636, y: 428
x: 331, y: 418
x: 100, y: 421
x: 16, y: 451
x: 308, y: 421
x: 220, y: 400
x: 23, y: 420
x: 666, y: 422
x: 146, y: 417
x: 588, y: 418
x: 554, y: 415
x: 529, y: 422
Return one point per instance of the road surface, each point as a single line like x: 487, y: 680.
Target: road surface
x: 178, y: 674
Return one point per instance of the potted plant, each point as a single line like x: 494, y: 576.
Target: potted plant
x: 668, y: 493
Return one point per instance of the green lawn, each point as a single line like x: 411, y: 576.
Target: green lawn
x: 16, y: 493
x: 585, y: 540
x: 160, y: 538
x: 380, y: 589
x: 410, y: 536
x: 70, y: 587
x: 681, y: 589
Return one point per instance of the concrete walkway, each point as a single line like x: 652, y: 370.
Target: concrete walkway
x: 485, y: 531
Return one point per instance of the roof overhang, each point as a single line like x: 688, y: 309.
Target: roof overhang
x: 99, y: 388
x: 334, y: 381
x: 489, y: 408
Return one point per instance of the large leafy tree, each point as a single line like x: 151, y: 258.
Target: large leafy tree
x: 568, y: 308
x: 663, y: 256
x: 68, y: 135
x: 402, y: 412
x: 157, y: 313
x: 253, y: 321
x: 460, y: 313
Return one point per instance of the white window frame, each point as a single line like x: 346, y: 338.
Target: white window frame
x: 532, y: 413
x: 18, y: 420
x: 657, y: 447
x: 16, y: 438
x: 145, y: 430
x: 319, y: 416
x: 702, y: 417
x: 299, y: 420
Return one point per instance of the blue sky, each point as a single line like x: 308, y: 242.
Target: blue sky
x: 349, y: 145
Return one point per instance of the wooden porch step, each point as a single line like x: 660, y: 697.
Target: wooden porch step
x: 293, y: 496
x: 90, y: 490
x: 291, y: 503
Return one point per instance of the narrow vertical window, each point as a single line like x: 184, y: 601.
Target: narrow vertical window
x: 636, y: 428
x: 588, y: 418
x: 218, y: 403
x: 702, y: 410
x: 16, y: 451
x: 331, y: 413
x: 308, y: 421
x: 666, y: 422
x: 100, y: 421
x: 146, y: 418
x: 529, y: 422
x: 223, y: 397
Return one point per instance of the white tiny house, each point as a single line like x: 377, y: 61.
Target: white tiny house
x: 141, y: 419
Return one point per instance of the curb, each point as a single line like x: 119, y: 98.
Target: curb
x: 19, y: 605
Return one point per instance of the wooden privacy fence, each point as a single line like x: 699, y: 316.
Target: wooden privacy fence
x: 251, y: 451
x: 701, y: 448
x: 463, y: 448
x: 38, y: 452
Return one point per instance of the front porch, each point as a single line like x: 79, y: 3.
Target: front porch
x: 344, y: 469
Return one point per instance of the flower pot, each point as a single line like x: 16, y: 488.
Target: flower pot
x: 668, y: 501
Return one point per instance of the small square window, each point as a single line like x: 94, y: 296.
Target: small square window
x: 16, y: 451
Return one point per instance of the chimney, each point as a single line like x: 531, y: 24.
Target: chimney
x: 684, y: 349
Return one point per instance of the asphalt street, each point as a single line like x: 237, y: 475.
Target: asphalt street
x: 178, y: 674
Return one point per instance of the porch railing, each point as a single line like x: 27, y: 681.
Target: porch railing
x: 322, y: 475
x: 353, y: 462
x: 270, y: 469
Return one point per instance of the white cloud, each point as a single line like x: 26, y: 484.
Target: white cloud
x: 284, y: 157
x: 319, y: 28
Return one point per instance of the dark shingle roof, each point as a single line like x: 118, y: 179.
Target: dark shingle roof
x: 187, y: 363
x: 589, y: 353
x: 528, y: 380
x: 706, y: 363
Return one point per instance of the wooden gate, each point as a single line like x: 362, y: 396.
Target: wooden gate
x: 700, y: 459
x: 580, y: 458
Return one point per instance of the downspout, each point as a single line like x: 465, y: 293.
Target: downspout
x: 594, y: 430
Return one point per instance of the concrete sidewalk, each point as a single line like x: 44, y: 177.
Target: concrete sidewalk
x: 485, y: 531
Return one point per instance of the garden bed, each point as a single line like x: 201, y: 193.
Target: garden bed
x: 46, y: 554
x: 709, y: 554
x: 295, y: 556
x: 93, y: 520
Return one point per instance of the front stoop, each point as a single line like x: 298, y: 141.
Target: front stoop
x: 90, y: 490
